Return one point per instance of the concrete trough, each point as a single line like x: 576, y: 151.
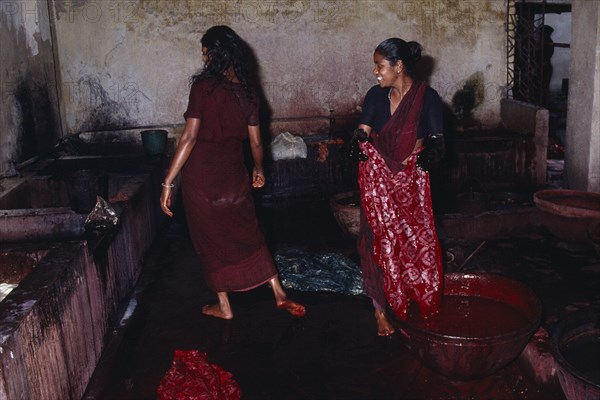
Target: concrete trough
x: 47, y: 205
x: 53, y: 325
x: 16, y: 262
x: 40, y: 224
x: 54, y: 220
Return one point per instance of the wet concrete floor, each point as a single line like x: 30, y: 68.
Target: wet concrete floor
x: 334, y: 352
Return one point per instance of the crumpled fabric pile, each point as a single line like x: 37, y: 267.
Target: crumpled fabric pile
x: 330, y: 272
x: 103, y: 216
x: 286, y: 146
x: 192, y: 377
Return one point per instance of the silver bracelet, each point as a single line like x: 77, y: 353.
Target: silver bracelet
x: 170, y: 185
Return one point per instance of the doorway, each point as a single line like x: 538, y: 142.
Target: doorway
x: 538, y: 57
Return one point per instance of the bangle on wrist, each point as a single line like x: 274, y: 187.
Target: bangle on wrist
x: 170, y: 185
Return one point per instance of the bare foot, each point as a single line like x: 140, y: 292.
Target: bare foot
x: 384, y: 327
x: 214, y: 310
x: 297, y: 310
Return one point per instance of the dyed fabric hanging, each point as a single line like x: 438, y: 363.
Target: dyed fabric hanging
x: 192, y: 377
x: 398, y: 209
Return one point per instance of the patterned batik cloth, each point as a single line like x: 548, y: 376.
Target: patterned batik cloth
x: 398, y: 209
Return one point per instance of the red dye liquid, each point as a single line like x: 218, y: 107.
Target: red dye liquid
x: 470, y: 316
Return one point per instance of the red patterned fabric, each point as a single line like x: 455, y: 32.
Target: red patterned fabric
x: 192, y: 377
x: 398, y: 209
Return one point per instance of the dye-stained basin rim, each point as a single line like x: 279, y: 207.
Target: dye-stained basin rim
x: 575, y: 327
x: 568, y: 203
x: 473, y: 357
x: 594, y: 235
x: 567, y: 213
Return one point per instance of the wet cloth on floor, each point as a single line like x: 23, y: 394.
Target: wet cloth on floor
x: 192, y: 377
x: 331, y: 272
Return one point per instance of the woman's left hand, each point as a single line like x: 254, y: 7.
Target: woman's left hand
x: 258, y: 178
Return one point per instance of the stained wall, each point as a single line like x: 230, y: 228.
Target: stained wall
x: 29, y: 117
x: 127, y: 63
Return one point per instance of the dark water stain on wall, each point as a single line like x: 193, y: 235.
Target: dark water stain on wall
x: 104, y: 112
x: 29, y: 116
x: 38, y: 128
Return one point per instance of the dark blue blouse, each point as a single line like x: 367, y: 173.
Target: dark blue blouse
x: 376, y: 111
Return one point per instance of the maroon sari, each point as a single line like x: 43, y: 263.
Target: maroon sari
x: 396, y: 201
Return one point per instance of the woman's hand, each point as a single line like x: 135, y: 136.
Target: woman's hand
x: 183, y: 151
x: 360, y: 134
x: 165, y: 200
x: 258, y: 178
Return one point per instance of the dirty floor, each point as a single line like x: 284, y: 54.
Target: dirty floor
x: 334, y: 352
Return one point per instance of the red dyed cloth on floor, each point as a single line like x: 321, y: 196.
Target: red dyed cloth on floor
x: 405, y: 246
x: 192, y: 377
x: 217, y: 191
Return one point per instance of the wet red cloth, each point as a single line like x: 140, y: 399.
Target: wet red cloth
x: 192, y: 377
x: 217, y: 191
x: 405, y: 245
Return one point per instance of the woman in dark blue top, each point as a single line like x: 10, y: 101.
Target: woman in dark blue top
x: 398, y: 247
x: 376, y: 111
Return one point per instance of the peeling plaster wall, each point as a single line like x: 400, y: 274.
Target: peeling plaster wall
x: 29, y: 118
x: 127, y: 63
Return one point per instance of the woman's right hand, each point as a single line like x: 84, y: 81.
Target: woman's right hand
x: 359, y: 135
x: 184, y: 148
x: 165, y: 200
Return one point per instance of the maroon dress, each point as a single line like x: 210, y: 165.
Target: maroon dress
x: 217, y: 191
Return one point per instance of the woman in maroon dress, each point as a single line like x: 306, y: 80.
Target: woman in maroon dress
x: 222, y: 113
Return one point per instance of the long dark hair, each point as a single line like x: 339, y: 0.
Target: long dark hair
x: 395, y: 49
x: 227, y: 49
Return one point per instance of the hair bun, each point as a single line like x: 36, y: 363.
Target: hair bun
x: 415, y: 50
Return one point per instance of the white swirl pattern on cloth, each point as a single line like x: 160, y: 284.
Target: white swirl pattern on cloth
x: 398, y: 208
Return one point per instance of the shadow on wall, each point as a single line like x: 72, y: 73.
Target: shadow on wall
x: 468, y: 98
x: 265, y: 109
x: 439, y: 176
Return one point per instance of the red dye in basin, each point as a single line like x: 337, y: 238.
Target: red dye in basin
x: 484, y: 323
x: 470, y: 316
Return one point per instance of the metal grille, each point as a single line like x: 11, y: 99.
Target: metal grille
x: 525, y: 50
x: 511, y: 23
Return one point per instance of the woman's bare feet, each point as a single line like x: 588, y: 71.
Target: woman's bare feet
x: 384, y: 327
x: 297, y: 310
x: 214, y: 310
